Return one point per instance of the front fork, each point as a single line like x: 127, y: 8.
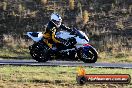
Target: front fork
x: 81, y: 51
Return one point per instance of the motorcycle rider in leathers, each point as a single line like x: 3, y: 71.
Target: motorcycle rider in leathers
x: 54, y: 25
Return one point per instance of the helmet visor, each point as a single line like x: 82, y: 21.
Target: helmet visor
x: 58, y: 23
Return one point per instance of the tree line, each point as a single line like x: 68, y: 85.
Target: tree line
x: 106, y: 22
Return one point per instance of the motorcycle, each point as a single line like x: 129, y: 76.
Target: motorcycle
x: 76, y: 47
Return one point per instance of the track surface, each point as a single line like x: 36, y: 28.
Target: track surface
x: 64, y: 63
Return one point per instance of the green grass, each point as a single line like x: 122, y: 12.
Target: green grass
x: 21, y: 53
x: 16, y: 53
x: 116, y: 57
x: 53, y: 77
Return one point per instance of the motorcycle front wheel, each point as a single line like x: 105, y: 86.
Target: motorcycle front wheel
x: 88, y: 55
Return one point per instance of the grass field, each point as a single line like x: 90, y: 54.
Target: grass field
x: 53, y: 77
x: 56, y: 77
x: 20, y: 53
x: 16, y: 53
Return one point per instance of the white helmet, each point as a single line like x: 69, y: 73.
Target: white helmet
x: 56, y: 18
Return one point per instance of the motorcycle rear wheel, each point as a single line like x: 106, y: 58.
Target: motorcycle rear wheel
x: 39, y: 52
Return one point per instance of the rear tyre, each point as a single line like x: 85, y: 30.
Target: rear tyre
x: 89, y: 55
x: 39, y: 52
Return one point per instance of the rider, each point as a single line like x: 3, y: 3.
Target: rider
x: 54, y: 25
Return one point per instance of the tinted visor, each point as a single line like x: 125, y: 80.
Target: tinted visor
x: 57, y: 22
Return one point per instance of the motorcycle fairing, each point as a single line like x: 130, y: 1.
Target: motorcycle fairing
x: 79, y: 39
x: 38, y: 36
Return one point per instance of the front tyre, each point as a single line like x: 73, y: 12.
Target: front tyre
x: 88, y: 55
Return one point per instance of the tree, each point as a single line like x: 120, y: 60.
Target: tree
x: 44, y: 1
x: 72, y: 4
x: 20, y: 8
x: 85, y: 16
x: 4, y: 5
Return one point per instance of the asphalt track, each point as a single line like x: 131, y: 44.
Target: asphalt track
x: 64, y: 63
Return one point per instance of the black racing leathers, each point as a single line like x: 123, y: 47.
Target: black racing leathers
x: 51, y: 31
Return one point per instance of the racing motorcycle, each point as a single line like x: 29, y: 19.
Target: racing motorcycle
x: 76, y: 47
